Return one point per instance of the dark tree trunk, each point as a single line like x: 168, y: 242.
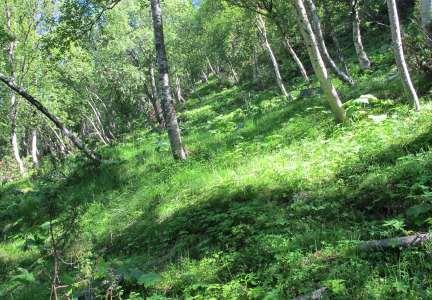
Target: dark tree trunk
x: 168, y: 108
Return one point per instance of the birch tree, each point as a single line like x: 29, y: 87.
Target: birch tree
x: 263, y: 34
x: 316, y: 27
x: 318, y: 63
x: 13, y: 114
x: 42, y: 109
x: 358, y: 41
x: 426, y: 16
x: 168, y: 108
x: 399, y: 53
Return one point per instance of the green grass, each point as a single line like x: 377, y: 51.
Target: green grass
x: 269, y: 205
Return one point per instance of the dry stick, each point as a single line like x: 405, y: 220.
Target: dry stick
x: 398, y: 242
x: 74, y: 139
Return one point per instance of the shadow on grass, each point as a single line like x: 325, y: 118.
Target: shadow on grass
x: 279, y: 235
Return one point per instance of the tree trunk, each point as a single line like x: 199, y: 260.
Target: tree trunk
x: 294, y: 55
x: 167, y: 102
x: 99, y: 128
x: 316, y: 25
x: 399, y: 53
x: 263, y: 33
x: 205, y: 77
x: 155, y: 99
x: 34, y: 149
x: 398, y: 242
x: 179, y: 91
x: 287, y: 45
x: 234, y: 73
x: 318, y: 64
x: 358, y: 42
x: 13, y: 100
x: 426, y: 16
x: 210, y: 66
x: 255, y: 67
x: 69, y: 134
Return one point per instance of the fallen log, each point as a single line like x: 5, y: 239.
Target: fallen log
x: 397, y: 242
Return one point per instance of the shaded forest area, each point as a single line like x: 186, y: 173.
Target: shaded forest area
x: 215, y: 149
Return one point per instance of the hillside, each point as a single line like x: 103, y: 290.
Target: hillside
x: 271, y: 204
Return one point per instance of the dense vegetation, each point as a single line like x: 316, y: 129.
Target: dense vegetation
x: 258, y: 166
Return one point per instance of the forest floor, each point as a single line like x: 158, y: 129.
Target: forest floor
x: 271, y: 203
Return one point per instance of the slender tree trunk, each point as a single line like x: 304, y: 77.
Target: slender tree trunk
x: 399, y: 54
x: 426, y: 16
x: 255, y: 68
x: 167, y: 102
x: 210, y: 66
x: 317, y: 62
x: 155, y: 98
x: 204, y: 76
x: 234, y: 73
x: 179, y: 91
x: 97, y: 131
x: 263, y: 33
x: 62, y: 145
x: 34, y: 149
x: 294, y: 55
x: 316, y: 26
x: 69, y: 134
x: 358, y: 41
x: 13, y: 100
x: 287, y: 44
x: 99, y: 128
x: 339, y: 54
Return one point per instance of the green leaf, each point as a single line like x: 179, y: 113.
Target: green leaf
x: 24, y: 277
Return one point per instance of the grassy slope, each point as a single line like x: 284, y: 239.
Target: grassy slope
x: 270, y: 203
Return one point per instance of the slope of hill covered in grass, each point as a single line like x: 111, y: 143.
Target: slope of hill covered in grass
x: 270, y: 205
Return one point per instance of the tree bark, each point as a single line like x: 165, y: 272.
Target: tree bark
x: 294, y: 55
x: 358, y: 41
x: 69, y: 134
x: 168, y: 108
x: 13, y: 100
x: 399, y: 53
x: 426, y: 16
x: 155, y: 99
x: 210, y: 66
x: 34, y: 149
x: 316, y: 26
x: 263, y: 33
x: 179, y: 91
x: 318, y: 63
x: 205, y: 77
x: 255, y: 67
x: 398, y: 242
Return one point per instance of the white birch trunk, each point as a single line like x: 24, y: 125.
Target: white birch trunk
x: 319, y: 37
x: 263, y: 33
x: 399, y: 53
x: 179, y: 91
x: 426, y: 16
x: 358, y: 41
x: 13, y: 100
x: 318, y: 63
x: 168, y: 108
x: 34, y: 149
x: 297, y: 60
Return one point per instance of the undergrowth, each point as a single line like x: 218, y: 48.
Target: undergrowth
x: 269, y: 205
